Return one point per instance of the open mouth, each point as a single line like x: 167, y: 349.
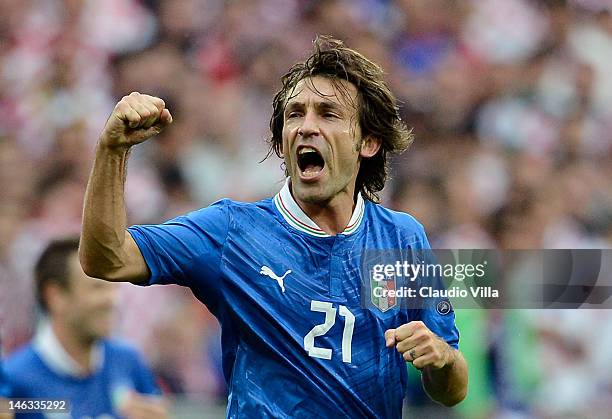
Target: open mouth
x: 310, y: 161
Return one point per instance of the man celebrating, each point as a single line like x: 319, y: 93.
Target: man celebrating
x: 70, y: 358
x: 283, y: 275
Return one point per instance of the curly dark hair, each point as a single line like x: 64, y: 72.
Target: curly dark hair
x: 377, y: 108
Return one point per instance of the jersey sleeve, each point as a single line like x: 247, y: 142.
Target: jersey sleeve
x: 187, y: 249
x: 443, y: 325
x: 438, y: 314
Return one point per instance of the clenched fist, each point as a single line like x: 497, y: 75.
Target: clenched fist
x: 136, y: 118
x: 419, y: 345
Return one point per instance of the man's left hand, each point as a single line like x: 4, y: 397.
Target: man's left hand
x: 419, y: 345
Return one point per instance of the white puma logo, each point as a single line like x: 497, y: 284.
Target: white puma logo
x: 268, y: 272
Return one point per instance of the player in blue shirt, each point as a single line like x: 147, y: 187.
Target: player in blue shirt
x: 285, y: 276
x: 70, y: 357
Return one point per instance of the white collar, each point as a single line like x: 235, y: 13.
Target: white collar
x: 293, y: 214
x: 55, y: 356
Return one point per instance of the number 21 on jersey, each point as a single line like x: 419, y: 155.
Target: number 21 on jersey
x: 323, y: 328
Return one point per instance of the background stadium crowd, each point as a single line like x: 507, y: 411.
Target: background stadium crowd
x: 511, y: 105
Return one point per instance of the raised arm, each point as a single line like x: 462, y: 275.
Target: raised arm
x: 107, y: 250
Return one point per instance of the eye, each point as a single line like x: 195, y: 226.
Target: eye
x: 329, y: 115
x: 294, y: 114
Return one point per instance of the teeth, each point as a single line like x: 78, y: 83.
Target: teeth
x: 306, y: 149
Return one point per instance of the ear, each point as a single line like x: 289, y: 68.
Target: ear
x: 55, y: 297
x: 370, y: 146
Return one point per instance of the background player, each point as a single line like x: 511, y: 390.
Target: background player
x: 70, y: 357
x: 334, y: 123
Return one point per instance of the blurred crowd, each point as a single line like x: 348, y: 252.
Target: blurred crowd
x: 511, y: 106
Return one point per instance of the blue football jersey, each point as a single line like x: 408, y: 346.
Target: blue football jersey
x: 296, y: 338
x: 97, y: 395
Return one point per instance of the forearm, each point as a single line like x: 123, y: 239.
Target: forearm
x: 107, y: 250
x: 103, y: 249
x: 447, y: 385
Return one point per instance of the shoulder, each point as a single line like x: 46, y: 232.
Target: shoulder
x: 397, y: 226
x: 123, y: 358
x: 22, y: 360
x: 120, y: 351
x: 396, y: 219
x: 261, y: 205
x: 120, y: 355
x: 230, y: 209
x: 23, y: 369
x: 228, y: 213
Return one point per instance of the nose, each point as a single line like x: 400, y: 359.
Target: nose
x: 310, y: 125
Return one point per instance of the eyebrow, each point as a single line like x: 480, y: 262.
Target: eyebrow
x: 323, y: 105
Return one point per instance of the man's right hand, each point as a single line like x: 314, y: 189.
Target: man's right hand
x: 107, y: 250
x: 136, y: 118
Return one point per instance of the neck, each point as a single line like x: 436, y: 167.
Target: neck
x: 332, y: 216
x: 80, y: 350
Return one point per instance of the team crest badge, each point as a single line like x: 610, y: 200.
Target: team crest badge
x: 379, y: 292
